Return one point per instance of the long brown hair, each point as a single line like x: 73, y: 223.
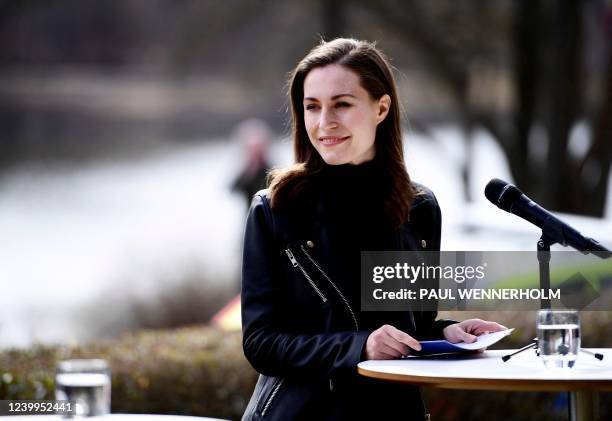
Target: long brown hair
x: 377, y: 79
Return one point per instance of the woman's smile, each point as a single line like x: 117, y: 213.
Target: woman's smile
x: 332, y: 140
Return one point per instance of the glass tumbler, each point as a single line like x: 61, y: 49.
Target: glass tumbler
x: 558, y: 337
x: 85, y: 382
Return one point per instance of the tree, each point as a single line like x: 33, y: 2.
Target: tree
x: 547, y: 74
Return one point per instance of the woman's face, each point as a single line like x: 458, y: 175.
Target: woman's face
x: 339, y: 115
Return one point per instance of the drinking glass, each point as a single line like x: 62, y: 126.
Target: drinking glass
x: 86, y: 383
x: 558, y: 337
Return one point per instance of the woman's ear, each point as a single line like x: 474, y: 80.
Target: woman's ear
x: 384, y: 104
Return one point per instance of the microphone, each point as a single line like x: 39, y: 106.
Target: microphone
x: 509, y: 198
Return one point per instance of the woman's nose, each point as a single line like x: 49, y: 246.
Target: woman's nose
x: 328, y: 119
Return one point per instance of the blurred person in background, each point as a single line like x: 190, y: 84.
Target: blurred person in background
x: 254, y: 136
x: 348, y: 191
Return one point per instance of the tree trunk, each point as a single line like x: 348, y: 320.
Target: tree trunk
x: 527, y: 51
x: 564, y: 103
x: 595, y: 169
x: 334, y: 19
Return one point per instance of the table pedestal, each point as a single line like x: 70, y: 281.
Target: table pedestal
x: 584, y: 406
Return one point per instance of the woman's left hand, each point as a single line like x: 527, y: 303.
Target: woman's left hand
x: 467, y: 330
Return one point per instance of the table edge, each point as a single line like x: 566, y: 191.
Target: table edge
x: 491, y: 384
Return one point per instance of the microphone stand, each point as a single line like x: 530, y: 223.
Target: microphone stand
x: 543, y: 247
x: 576, y: 398
x: 534, y: 344
x: 544, y: 244
x: 505, y: 196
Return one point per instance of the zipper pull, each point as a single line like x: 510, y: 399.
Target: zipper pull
x: 291, y: 258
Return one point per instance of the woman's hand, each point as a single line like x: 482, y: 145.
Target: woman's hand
x: 467, y: 330
x: 387, y: 343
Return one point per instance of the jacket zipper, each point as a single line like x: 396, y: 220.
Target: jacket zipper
x: 348, y: 306
x: 411, y: 312
x: 271, y: 398
x: 413, y: 321
x: 296, y: 264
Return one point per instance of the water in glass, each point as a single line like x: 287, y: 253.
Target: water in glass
x: 558, y: 337
x: 85, y: 382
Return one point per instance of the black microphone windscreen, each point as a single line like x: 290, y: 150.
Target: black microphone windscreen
x: 494, y: 189
x: 502, y: 194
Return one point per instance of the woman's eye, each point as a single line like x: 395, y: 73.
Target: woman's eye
x: 343, y: 104
x: 311, y: 106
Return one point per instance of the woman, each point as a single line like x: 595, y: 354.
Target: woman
x: 348, y: 191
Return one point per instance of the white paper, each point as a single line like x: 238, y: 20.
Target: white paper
x: 442, y: 346
x: 484, y: 340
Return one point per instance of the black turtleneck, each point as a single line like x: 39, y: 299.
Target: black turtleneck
x: 354, y: 196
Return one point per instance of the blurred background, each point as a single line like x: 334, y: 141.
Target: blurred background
x: 128, y: 129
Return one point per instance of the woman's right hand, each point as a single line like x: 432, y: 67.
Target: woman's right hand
x: 387, y: 343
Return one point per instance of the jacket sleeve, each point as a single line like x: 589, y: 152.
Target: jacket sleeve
x: 428, y: 328
x: 270, y: 350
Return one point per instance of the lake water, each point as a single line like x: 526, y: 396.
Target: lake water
x: 75, y: 238
x: 79, y: 242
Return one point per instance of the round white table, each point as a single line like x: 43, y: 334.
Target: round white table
x: 487, y: 371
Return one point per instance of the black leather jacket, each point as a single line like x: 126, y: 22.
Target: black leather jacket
x: 301, y: 333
